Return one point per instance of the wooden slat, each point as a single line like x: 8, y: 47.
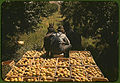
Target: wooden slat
x: 102, y: 79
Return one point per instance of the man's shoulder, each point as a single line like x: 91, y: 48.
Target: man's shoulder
x: 62, y: 34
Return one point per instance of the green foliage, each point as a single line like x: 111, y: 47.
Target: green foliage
x: 49, y: 9
x: 33, y: 41
x: 92, y: 18
x: 35, y: 9
x: 97, y: 23
x: 19, y: 17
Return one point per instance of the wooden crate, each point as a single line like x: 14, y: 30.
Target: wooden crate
x: 74, y: 54
x: 48, y: 71
x: 13, y: 79
x: 25, y: 61
x: 63, y: 62
x: 88, y: 61
x: 31, y: 70
x: 81, y: 54
x: 34, y: 54
x: 29, y: 54
x: 63, y: 72
x: 12, y: 73
x: 78, y: 71
x: 85, y: 53
x: 76, y: 61
x: 38, y: 61
x: 50, y: 62
x: 93, y: 72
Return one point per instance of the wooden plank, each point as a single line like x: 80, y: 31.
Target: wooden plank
x: 65, y: 80
x: 102, y: 79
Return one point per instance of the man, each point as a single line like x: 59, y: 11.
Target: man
x: 60, y: 43
x: 47, y: 39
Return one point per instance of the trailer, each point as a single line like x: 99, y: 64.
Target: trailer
x: 79, y: 67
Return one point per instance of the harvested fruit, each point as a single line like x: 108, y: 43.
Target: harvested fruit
x: 31, y: 79
x: 29, y: 54
x: 63, y: 62
x: 63, y: 72
x: 50, y: 62
x: 75, y: 61
x: 14, y: 79
x: 88, y: 61
x: 78, y: 71
x: 33, y: 53
x: 16, y: 71
x: 75, y: 54
x: 32, y: 67
x: 85, y: 53
x: 25, y: 61
x: 93, y: 71
x: 38, y: 54
x: 81, y: 79
x: 47, y: 72
x: 32, y: 71
x: 38, y: 61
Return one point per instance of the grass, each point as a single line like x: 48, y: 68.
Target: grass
x: 34, y: 40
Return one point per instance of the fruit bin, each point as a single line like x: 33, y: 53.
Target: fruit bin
x: 76, y: 61
x: 38, y: 61
x: 16, y: 71
x: 63, y: 62
x: 34, y: 54
x: 39, y: 54
x: 14, y: 79
x: 63, y: 72
x: 25, y: 61
x: 79, y: 67
x: 50, y: 62
x: 93, y: 72
x: 85, y: 53
x: 32, y: 71
x: 79, y: 73
x: 74, y: 54
x: 47, y: 72
x: 88, y: 61
x: 81, y: 54
x: 29, y: 54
